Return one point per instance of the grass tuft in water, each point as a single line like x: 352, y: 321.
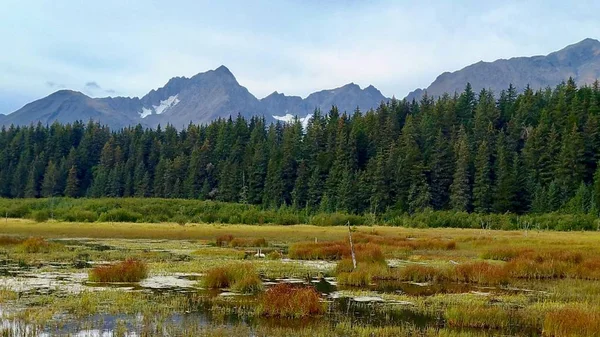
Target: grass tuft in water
x: 241, y: 277
x: 130, y: 270
x: 289, y: 301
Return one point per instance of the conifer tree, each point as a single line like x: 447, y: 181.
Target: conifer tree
x: 72, y: 184
x: 50, y: 183
x: 460, y: 190
x: 441, y: 168
x: 482, y: 186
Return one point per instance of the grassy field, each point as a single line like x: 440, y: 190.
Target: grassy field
x: 408, y: 282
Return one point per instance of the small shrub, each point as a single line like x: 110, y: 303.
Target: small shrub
x: 289, y: 301
x: 180, y: 220
x: 77, y: 215
x: 337, y: 219
x: 41, y: 216
x: 120, y: 215
x: 130, y: 270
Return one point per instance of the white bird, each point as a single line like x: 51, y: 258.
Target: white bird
x: 259, y: 254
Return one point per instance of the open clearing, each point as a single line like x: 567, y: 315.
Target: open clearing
x: 122, y: 279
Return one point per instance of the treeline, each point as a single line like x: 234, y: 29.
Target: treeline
x: 534, y: 152
x: 185, y: 211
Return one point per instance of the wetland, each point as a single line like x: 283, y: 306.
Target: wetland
x: 164, y: 279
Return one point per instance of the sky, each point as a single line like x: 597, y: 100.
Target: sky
x: 128, y: 47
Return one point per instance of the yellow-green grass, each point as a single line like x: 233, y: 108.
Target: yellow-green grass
x: 472, y: 239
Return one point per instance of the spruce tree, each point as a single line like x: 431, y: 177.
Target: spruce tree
x: 482, y: 185
x: 460, y: 190
x: 50, y: 183
x: 72, y: 184
x: 441, y: 168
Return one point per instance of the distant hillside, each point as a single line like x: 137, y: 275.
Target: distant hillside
x: 200, y: 99
x: 581, y: 61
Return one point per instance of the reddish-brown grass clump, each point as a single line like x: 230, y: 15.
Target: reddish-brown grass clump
x: 332, y: 250
x: 406, y: 243
x: 420, y: 273
x: 505, y: 254
x: 240, y: 277
x: 224, y: 240
x: 481, y: 273
x: 6, y: 240
x: 572, y: 321
x: 35, y: 245
x: 130, y: 270
x: 229, y: 240
x: 289, y: 301
x: 241, y: 242
x: 336, y: 250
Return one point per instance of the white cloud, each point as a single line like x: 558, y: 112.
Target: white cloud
x: 289, y: 46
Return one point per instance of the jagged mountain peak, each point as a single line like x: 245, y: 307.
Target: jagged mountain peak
x: 201, y: 98
x: 223, y: 70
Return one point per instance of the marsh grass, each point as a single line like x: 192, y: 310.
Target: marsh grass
x: 7, y: 240
x: 247, y: 242
x: 550, y: 275
x: 130, y: 270
x: 223, y: 240
x: 338, y: 250
x: 274, y: 255
x: 572, y: 320
x: 37, y: 245
x: 421, y: 273
x: 241, y: 277
x: 480, y: 272
x: 289, y: 301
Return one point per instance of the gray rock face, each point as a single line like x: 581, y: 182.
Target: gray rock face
x: 346, y: 98
x: 580, y: 61
x: 68, y: 106
x: 200, y: 99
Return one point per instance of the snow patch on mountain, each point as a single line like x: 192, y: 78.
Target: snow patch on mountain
x: 288, y: 118
x: 145, y: 112
x: 163, y: 106
x: 166, y: 104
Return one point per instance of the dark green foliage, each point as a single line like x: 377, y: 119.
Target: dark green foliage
x: 533, y: 152
x: 184, y: 211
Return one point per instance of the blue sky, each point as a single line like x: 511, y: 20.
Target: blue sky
x: 127, y: 47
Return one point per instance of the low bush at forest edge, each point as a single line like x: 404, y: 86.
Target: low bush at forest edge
x: 154, y: 210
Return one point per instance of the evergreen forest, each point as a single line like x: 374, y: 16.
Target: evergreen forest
x: 507, y: 152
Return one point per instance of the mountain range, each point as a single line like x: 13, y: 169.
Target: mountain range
x: 199, y: 99
x: 581, y: 61
x: 217, y: 94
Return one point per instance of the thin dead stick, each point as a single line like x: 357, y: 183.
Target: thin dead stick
x: 351, y: 246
